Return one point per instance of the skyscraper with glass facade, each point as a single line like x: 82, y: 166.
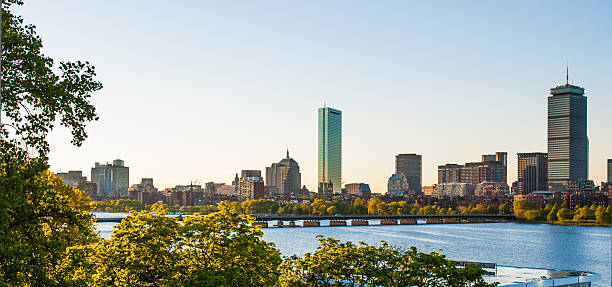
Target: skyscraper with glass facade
x: 330, y: 150
x: 568, y: 144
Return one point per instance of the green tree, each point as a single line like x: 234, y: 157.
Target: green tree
x: 374, y: 205
x: 552, y: 214
x: 39, y: 218
x: 504, y: 209
x: 151, y: 249
x: 564, y: 214
x: 222, y: 249
x: 337, y: 263
x: 34, y: 97
x: 602, y: 216
x: 332, y: 210
x: 533, y: 214
x: 493, y: 209
x: 142, y: 251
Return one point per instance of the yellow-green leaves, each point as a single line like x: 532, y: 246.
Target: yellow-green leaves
x: 149, y: 248
x: 337, y: 263
x: 40, y: 217
x: 34, y: 96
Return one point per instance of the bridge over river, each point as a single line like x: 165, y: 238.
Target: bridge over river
x: 361, y: 220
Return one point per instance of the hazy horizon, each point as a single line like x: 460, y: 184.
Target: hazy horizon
x: 201, y: 90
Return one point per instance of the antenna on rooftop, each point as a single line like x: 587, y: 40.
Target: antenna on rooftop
x: 567, y: 74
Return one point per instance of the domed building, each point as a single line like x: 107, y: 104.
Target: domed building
x: 284, y: 177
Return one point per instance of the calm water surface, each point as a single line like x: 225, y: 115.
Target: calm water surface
x: 510, y: 244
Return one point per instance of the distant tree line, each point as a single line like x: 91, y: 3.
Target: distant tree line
x: 523, y: 210
x: 312, y: 206
x: 560, y: 214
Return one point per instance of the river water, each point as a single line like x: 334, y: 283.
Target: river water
x: 582, y: 248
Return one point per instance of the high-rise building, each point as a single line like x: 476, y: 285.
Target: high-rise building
x: 330, y: 150
x: 112, y: 179
x: 568, y: 144
x: 492, y: 168
x: 410, y: 165
x: 449, y: 172
x: 284, y: 176
x: 532, y: 172
x: 610, y: 170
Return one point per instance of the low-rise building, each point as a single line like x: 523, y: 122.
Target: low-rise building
x: 397, y: 185
x: 88, y: 187
x: 358, y: 190
x: 575, y: 200
x: 542, y: 198
x: 71, y: 177
x: 454, y: 190
x: 428, y: 190
x: 145, y: 192
x: 183, y: 195
x: 251, y: 185
x: 491, y: 189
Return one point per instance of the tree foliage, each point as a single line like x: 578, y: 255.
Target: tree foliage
x: 150, y: 249
x: 39, y: 218
x: 33, y: 95
x: 337, y: 263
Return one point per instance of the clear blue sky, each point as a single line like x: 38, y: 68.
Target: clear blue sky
x: 203, y: 89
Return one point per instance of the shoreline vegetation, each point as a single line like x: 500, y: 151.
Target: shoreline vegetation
x: 524, y: 211
x: 47, y: 229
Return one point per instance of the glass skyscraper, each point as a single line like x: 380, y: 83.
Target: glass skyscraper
x: 568, y: 144
x: 330, y: 150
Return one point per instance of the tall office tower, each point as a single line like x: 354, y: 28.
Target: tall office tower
x: 532, y: 172
x: 410, y: 165
x: 330, y: 150
x: 284, y: 177
x: 568, y: 144
x: 610, y: 170
x: 112, y: 179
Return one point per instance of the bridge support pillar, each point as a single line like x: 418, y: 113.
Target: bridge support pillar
x: 475, y: 220
x: 407, y: 221
x: 388, y: 222
x: 337, y: 223
x: 359, y: 222
x: 433, y: 221
x: 311, y: 223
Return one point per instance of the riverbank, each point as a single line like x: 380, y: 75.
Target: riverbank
x: 519, y: 221
x: 568, y: 223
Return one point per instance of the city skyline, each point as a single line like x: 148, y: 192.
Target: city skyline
x: 165, y: 110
